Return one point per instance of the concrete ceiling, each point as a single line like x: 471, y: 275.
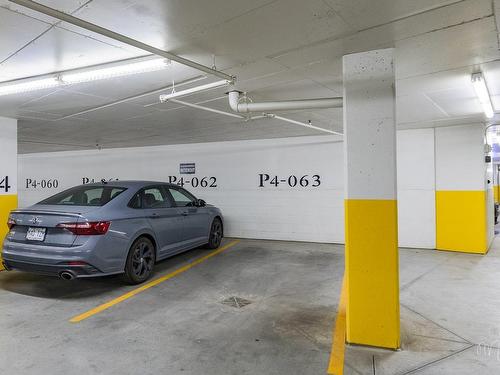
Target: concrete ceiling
x: 278, y: 49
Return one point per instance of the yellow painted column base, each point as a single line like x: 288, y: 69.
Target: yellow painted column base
x: 372, y: 270
x: 461, y: 221
x: 7, y: 204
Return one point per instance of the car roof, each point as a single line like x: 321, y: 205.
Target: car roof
x: 129, y: 183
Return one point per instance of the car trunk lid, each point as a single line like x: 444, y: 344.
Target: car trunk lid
x: 40, y: 222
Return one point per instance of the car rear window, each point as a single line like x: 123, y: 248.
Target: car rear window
x: 85, y: 196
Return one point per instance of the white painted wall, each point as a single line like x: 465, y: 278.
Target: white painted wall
x: 8, y: 155
x: 460, y: 158
x: 284, y: 213
x: 416, y: 188
x: 302, y: 214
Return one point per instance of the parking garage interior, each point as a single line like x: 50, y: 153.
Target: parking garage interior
x: 350, y: 150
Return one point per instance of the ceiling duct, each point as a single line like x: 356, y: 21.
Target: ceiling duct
x: 237, y: 105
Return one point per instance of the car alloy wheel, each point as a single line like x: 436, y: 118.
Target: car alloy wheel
x: 215, y: 234
x: 140, y: 261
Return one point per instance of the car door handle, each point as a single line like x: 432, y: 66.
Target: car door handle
x: 184, y: 213
x: 154, y: 216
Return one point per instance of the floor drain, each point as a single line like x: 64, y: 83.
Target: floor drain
x: 237, y: 302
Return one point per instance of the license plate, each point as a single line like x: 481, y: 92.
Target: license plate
x: 36, y: 234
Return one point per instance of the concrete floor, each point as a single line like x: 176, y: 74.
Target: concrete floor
x: 450, y: 304
x: 450, y: 317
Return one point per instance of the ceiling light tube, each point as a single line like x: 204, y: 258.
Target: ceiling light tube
x: 115, y: 71
x: 165, y: 97
x: 80, y: 75
x: 32, y: 85
x: 482, y: 94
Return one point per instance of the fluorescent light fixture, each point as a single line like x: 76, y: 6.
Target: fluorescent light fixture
x: 482, y: 94
x: 165, y: 97
x: 115, y: 71
x: 109, y: 70
x: 27, y: 86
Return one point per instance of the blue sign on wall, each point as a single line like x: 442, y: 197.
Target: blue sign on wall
x: 187, y: 168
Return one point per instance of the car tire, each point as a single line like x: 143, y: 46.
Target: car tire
x: 216, y: 234
x: 140, y: 263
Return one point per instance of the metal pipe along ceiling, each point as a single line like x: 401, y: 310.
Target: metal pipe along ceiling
x: 270, y: 115
x: 264, y: 115
x: 203, y: 108
x: 234, y: 103
x: 119, y: 37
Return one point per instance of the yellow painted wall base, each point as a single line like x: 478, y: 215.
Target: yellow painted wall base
x: 496, y: 193
x: 7, y: 203
x: 372, y: 271
x: 461, y: 221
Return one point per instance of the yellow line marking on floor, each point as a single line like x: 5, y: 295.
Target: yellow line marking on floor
x: 336, y: 364
x: 151, y: 284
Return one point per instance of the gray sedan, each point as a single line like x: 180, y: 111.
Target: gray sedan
x: 109, y: 228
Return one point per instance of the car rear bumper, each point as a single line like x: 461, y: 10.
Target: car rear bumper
x: 86, y: 260
x: 84, y: 270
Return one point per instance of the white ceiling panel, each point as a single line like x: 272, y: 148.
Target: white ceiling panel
x: 60, y: 50
x: 448, y: 99
x: 255, y: 70
x: 67, y: 6
x: 451, y: 48
x: 411, y: 36
x: 26, y: 114
x: 15, y: 32
x: 118, y: 112
x: 304, y: 88
x: 363, y: 14
x: 164, y: 24
x: 63, y: 102
x: 279, y: 26
x: 417, y: 108
x: 447, y: 79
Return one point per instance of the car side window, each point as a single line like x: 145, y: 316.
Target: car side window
x: 153, y: 197
x: 135, y: 202
x: 181, y: 197
x: 150, y: 197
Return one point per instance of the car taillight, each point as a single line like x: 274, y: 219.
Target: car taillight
x: 11, y: 222
x: 87, y: 228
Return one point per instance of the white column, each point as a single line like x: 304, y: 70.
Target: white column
x: 372, y: 316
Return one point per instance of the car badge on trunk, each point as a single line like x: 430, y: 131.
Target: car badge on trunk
x: 35, y: 220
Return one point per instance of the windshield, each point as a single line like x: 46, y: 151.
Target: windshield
x: 85, y: 196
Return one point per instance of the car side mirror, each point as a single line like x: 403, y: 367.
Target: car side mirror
x: 200, y: 203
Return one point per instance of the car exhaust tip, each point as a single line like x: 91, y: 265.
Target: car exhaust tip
x: 66, y: 275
